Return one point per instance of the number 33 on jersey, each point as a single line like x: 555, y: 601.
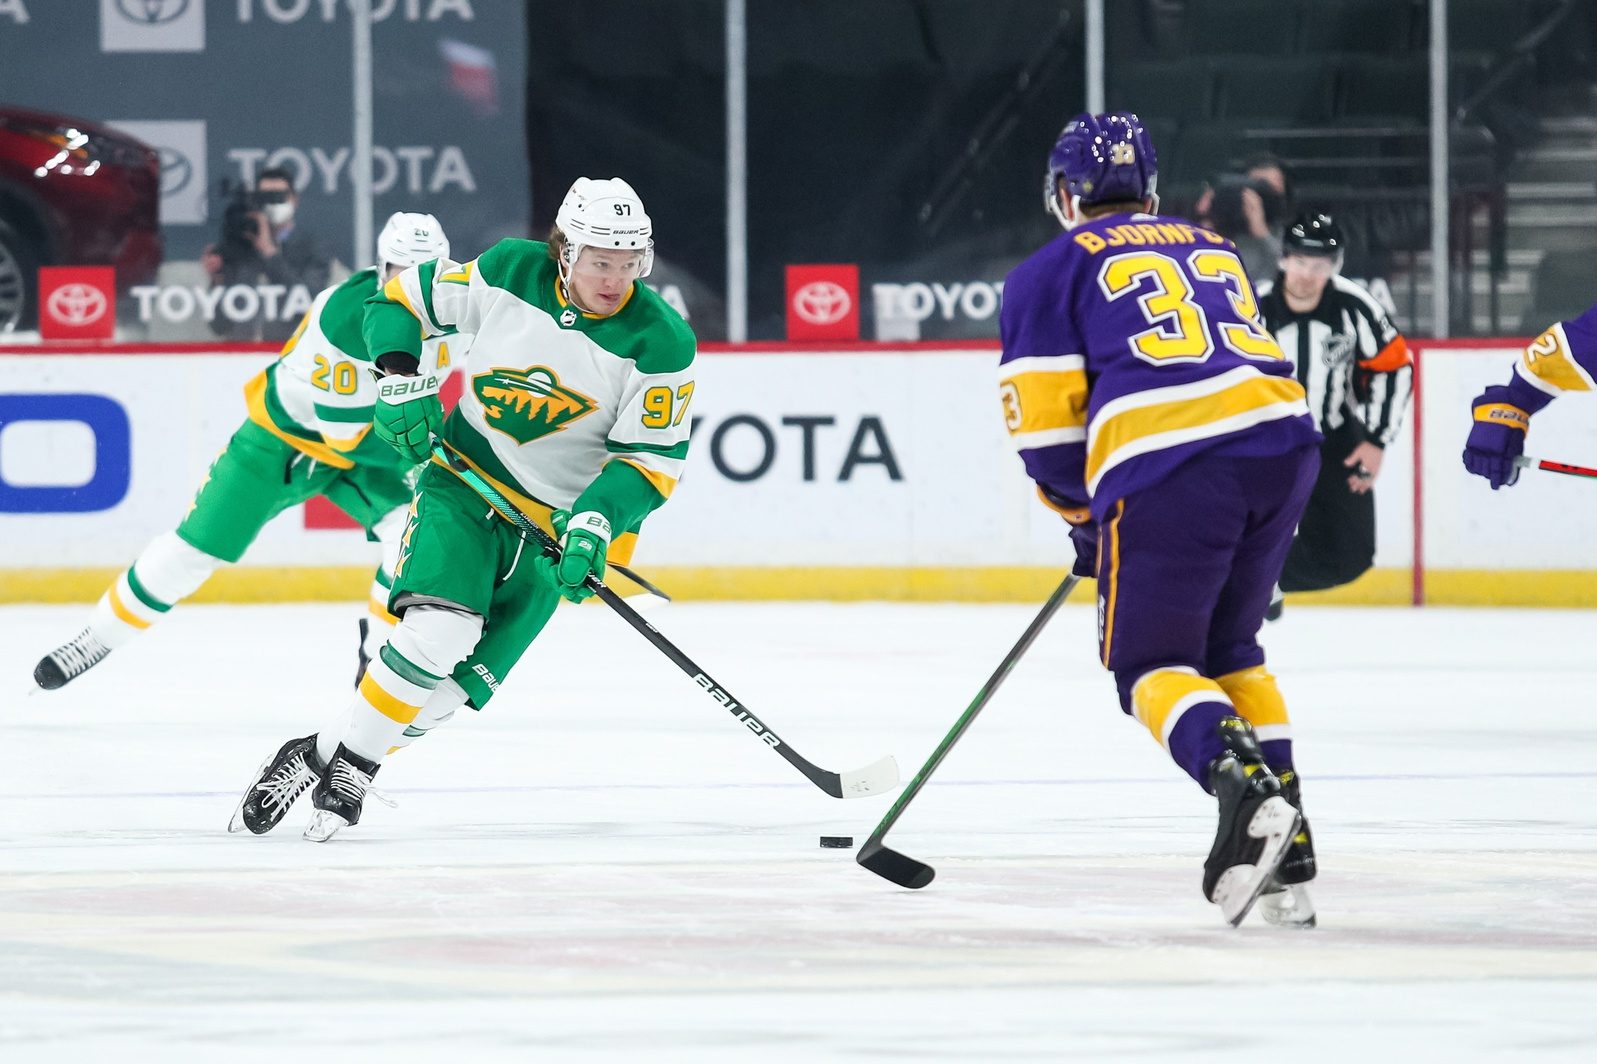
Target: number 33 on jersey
x: 1130, y: 343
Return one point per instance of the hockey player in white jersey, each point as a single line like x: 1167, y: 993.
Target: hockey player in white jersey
x: 307, y: 433
x: 575, y: 410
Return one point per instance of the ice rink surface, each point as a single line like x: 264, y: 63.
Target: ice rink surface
x: 604, y: 866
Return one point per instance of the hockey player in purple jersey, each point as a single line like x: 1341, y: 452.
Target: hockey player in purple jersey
x: 1562, y: 359
x: 1161, y: 419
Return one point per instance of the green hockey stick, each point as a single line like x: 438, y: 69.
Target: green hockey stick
x: 900, y: 868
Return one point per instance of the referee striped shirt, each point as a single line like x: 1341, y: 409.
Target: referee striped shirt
x: 1350, y: 358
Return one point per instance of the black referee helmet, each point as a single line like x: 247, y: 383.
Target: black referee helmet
x: 1315, y: 235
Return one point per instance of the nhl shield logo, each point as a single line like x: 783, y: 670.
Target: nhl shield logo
x: 527, y: 404
x: 568, y: 317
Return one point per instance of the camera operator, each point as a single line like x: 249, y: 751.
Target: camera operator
x: 262, y: 245
x: 1250, y: 208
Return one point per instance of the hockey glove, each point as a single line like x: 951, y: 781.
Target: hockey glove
x: 1496, y: 438
x: 584, y: 542
x: 409, y: 413
x: 1085, y: 538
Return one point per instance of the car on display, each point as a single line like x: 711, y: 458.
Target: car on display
x: 74, y: 193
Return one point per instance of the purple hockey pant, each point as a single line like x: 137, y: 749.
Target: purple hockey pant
x: 1185, y: 572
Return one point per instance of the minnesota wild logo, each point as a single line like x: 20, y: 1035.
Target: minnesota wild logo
x: 530, y: 403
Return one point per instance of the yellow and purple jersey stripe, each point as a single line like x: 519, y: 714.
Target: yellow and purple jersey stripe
x: 1123, y: 357
x: 1550, y: 364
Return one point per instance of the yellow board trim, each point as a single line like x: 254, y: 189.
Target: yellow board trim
x: 1563, y: 589
x: 394, y: 709
x: 123, y: 612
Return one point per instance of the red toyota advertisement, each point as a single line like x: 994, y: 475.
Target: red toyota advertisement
x: 77, y: 302
x: 823, y: 301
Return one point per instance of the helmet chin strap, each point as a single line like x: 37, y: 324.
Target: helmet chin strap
x: 564, y: 268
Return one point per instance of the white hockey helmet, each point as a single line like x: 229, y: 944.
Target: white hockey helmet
x: 604, y: 213
x: 411, y: 239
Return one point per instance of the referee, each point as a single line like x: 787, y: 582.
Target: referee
x: 1357, y: 371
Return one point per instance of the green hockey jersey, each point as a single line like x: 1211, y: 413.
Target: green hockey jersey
x: 320, y: 394
x: 561, y: 408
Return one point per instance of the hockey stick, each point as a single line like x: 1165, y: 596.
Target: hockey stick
x: 641, y: 582
x: 874, y: 778
x: 899, y: 868
x: 1525, y: 461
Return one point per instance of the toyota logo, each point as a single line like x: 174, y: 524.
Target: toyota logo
x: 152, y: 12
x: 77, y: 304
x: 176, y: 171
x: 822, y: 303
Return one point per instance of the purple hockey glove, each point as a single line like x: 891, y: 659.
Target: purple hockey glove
x: 1496, y: 438
x: 1085, y: 538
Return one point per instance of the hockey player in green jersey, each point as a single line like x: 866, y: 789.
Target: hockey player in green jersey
x: 308, y: 432
x: 575, y: 409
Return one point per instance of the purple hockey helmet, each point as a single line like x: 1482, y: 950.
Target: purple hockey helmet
x: 1102, y: 158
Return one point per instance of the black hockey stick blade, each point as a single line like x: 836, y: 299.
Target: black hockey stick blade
x: 895, y: 867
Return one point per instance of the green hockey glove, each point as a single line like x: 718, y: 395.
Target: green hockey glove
x: 584, y: 542
x: 409, y: 413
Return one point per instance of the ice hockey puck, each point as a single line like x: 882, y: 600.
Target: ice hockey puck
x: 837, y: 842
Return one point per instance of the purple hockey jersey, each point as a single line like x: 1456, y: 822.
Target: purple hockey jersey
x: 1131, y: 343
x: 1562, y: 359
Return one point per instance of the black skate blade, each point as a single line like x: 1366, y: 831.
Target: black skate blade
x: 893, y: 866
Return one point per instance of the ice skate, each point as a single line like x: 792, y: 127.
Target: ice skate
x: 1285, y: 901
x: 282, y: 778
x: 1256, y: 824
x: 340, y: 794
x: 69, y: 661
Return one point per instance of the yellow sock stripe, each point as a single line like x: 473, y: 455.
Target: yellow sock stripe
x: 1161, y: 697
x: 1256, y: 696
x: 119, y: 608
x: 395, y: 709
x: 380, y: 611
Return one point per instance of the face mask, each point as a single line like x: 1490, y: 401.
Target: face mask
x: 279, y: 213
